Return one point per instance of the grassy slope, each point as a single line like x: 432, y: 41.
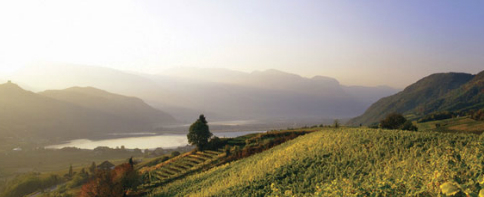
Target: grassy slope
x: 346, y: 162
x: 462, y: 124
x: 417, y: 99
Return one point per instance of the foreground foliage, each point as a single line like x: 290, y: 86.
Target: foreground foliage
x: 112, y: 183
x: 29, y: 183
x: 349, y: 162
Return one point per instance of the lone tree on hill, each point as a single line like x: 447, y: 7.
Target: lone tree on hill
x: 199, y: 133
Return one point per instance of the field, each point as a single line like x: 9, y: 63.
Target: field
x: 348, y: 162
x: 229, y: 149
x: 179, y: 166
x: 461, y: 124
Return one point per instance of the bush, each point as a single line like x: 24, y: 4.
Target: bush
x: 227, y: 150
x: 408, y: 125
x: 216, y: 143
x: 393, y: 121
x: 175, y: 153
x: 78, y: 180
x: 479, y: 115
x: 116, y: 182
x: 164, y: 158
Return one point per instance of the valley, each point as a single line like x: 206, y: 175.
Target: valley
x: 241, y: 98
x: 274, y: 156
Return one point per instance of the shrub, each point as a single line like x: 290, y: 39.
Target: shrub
x: 408, y: 125
x: 175, y: 153
x: 113, y: 183
x: 393, y: 121
x: 216, y: 143
x: 78, y: 180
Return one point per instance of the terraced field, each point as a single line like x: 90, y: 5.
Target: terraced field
x: 178, y: 167
x: 196, y: 162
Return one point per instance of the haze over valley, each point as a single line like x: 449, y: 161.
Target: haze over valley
x: 221, y: 94
x: 168, y: 98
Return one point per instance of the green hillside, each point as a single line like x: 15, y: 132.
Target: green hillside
x: 461, y: 124
x: 467, y: 96
x: 348, y: 162
x: 437, y: 92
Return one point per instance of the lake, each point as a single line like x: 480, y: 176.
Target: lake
x: 142, y: 142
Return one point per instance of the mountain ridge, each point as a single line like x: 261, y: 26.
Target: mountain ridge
x: 221, y: 94
x: 127, y: 107
x: 28, y: 114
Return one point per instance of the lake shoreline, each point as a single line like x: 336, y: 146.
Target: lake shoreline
x: 145, y: 140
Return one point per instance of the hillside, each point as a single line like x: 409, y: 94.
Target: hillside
x: 129, y: 108
x: 422, y: 97
x: 467, y: 96
x: 27, y: 114
x: 347, y: 162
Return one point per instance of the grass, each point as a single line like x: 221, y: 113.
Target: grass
x: 347, y: 162
x: 461, y: 124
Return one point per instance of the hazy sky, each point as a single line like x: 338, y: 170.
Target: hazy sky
x: 357, y: 42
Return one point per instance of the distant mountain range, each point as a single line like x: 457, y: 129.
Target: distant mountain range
x: 437, y: 92
x: 220, y: 94
x: 73, y: 113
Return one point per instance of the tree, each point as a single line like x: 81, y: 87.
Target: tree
x: 112, y: 183
x: 92, y: 169
x: 199, y: 133
x: 336, y: 123
x: 71, y: 172
x: 126, y: 177
x: 101, y: 185
x: 397, y: 121
x: 131, y: 162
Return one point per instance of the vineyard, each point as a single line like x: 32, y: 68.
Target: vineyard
x: 179, y: 166
x: 229, y: 149
x: 348, y: 162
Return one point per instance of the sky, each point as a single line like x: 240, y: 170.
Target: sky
x: 367, y: 43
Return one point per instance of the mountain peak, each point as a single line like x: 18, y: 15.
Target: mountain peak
x: 324, y: 79
x: 274, y: 72
x: 9, y: 86
x: 87, y: 89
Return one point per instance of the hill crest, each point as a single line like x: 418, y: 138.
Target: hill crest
x: 418, y: 99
